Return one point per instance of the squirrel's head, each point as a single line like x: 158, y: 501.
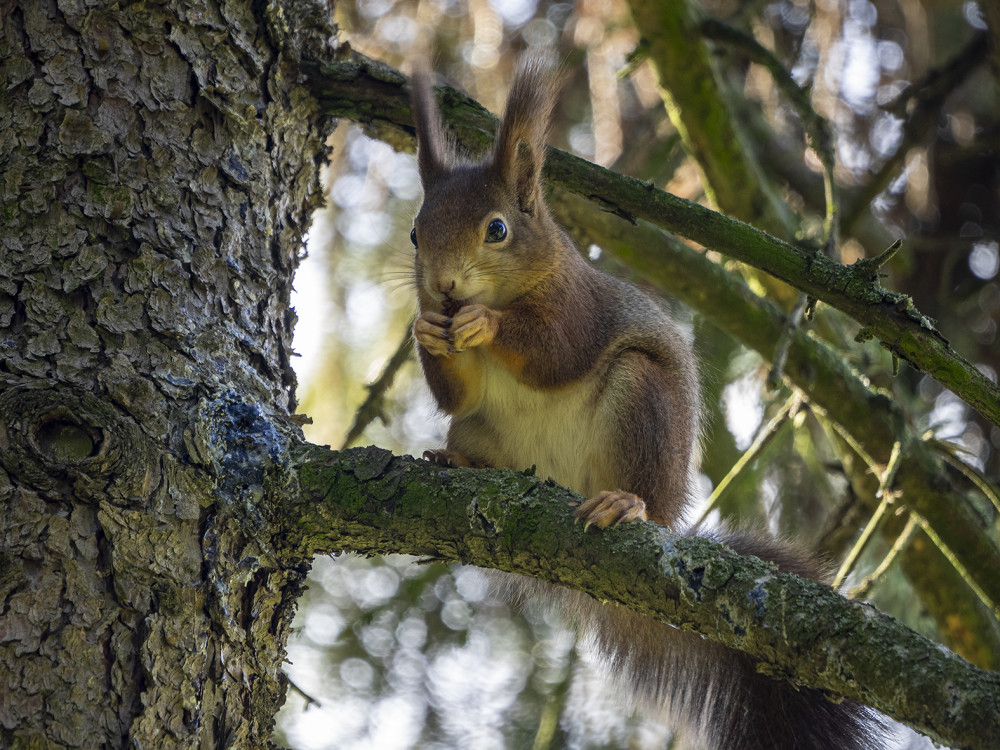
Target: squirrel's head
x: 483, y: 233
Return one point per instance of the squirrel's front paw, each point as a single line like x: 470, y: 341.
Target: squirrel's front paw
x: 473, y: 325
x: 607, y: 508
x: 449, y: 458
x: 433, y: 332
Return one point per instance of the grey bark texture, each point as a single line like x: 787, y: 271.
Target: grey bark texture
x: 157, y: 172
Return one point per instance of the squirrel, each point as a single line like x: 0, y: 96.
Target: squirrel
x: 541, y: 359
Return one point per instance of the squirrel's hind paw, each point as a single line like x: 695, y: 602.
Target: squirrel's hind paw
x: 452, y: 459
x: 611, y: 508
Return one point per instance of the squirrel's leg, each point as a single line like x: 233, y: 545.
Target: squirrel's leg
x: 611, y: 507
x: 648, y: 411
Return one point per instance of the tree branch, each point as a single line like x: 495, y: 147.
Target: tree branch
x: 377, y: 96
x: 697, y: 106
x: 370, y: 501
x: 874, y: 422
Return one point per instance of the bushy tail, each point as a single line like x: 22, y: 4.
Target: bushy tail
x: 712, y: 691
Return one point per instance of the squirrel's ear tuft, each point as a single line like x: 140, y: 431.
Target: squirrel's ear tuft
x: 432, y: 146
x: 519, y: 152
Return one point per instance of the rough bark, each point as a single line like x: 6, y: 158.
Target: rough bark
x: 159, y: 162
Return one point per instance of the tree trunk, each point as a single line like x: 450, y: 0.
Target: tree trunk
x: 158, y: 170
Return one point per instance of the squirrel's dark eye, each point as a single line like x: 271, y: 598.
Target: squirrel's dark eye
x: 413, y: 236
x: 496, y: 231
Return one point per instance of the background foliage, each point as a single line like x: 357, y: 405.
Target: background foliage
x: 401, y: 655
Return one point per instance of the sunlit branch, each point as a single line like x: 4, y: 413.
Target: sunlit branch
x: 377, y: 96
x: 861, y: 590
x: 887, y: 497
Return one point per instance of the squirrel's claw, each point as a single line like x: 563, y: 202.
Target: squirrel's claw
x: 473, y: 325
x: 451, y: 459
x: 611, y: 508
x: 433, y: 332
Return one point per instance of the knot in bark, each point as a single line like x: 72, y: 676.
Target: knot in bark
x: 54, y: 436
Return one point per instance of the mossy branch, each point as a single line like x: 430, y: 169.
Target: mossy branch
x: 377, y: 97
x: 373, y: 94
x: 373, y: 502
x: 873, y: 422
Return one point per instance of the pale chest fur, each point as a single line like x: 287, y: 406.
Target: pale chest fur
x: 559, y: 431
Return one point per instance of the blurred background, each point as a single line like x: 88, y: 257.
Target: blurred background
x: 390, y: 653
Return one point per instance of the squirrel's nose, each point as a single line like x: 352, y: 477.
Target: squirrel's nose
x: 445, y: 286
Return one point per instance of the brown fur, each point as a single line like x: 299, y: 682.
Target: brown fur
x: 541, y: 359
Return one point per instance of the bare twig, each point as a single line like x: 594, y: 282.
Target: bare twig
x: 764, y: 436
x: 973, y: 475
x: 781, y: 349
x: 963, y: 571
x: 869, y: 268
x: 310, y: 700
x: 861, y: 590
x: 887, y: 498
x: 374, y: 403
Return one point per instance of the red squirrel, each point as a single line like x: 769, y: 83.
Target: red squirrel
x: 541, y: 359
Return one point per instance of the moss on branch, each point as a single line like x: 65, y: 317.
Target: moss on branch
x: 818, y: 371
x: 368, y: 500
x: 374, y: 95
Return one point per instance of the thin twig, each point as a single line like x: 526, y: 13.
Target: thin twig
x: 887, y: 498
x: 889, y: 475
x: 957, y: 564
x: 976, y: 477
x: 785, y: 341
x: 374, y: 403
x: 310, y: 700
x: 764, y: 436
x: 868, y: 582
x: 869, y: 268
